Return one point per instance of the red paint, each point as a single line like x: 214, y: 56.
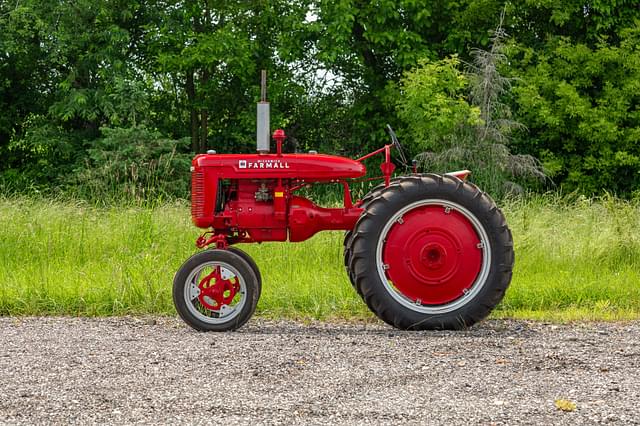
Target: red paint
x: 307, y: 167
x: 220, y: 240
x: 441, y: 255
x: 257, y: 194
x: 387, y: 167
x: 460, y: 174
x: 203, y: 196
x: 306, y: 219
x: 213, y: 288
x: 257, y: 203
x: 279, y: 137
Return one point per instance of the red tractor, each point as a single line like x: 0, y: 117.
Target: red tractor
x: 424, y: 251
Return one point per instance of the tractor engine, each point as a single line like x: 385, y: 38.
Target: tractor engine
x: 249, y: 198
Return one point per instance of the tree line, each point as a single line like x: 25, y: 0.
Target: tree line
x: 104, y: 96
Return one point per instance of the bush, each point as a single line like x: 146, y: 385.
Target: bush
x: 37, y: 159
x: 581, y: 104
x: 133, y: 165
x: 458, y: 120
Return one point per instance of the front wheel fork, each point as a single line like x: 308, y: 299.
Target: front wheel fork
x: 220, y: 240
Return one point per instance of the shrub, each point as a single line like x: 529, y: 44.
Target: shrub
x: 134, y: 165
x: 458, y: 120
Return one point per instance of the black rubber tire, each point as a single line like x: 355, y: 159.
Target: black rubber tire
x: 251, y: 262
x: 253, y: 289
x: 347, y: 235
x: 402, y: 192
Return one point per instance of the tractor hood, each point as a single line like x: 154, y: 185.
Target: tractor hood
x: 310, y: 167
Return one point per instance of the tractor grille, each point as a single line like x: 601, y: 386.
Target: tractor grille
x: 197, y: 195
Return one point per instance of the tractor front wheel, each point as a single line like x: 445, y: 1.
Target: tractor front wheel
x: 250, y: 262
x: 431, y: 252
x: 216, y: 290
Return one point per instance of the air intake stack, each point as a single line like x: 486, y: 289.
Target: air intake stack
x: 263, y: 132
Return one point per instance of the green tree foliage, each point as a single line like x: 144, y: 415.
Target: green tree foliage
x: 183, y: 68
x: 579, y: 96
x: 458, y: 121
x: 190, y: 69
x: 24, y: 85
x: 134, y: 165
x: 80, y: 59
x: 370, y: 44
x: 209, y: 54
x: 434, y: 104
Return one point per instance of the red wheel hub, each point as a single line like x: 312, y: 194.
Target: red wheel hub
x: 432, y: 255
x: 216, y: 291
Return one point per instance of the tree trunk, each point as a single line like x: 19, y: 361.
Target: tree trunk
x: 374, y: 71
x: 204, y: 129
x: 191, y: 96
x: 204, y: 114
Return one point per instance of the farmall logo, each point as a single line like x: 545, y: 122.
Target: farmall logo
x: 262, y: 164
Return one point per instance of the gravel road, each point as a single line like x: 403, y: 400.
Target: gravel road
x: 145, y: 370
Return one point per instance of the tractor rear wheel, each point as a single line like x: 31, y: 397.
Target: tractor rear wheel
x: 216, y: 290
x: 431, y: 252
x: 371, y: 195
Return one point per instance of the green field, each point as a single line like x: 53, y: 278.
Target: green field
x: 575, y: 259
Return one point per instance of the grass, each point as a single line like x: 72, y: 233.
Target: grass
x: 576, y: 259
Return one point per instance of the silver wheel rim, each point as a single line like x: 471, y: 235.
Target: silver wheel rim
x: 192, y: 291
x: 475, y: 288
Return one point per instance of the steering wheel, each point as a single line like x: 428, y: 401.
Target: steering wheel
x: 397, y: 145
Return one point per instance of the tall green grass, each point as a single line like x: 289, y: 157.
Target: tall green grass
x: 575, y: 259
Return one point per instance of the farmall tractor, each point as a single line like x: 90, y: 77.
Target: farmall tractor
x: 424, y: 251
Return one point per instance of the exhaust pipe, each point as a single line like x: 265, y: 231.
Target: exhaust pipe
x: 262, y: 132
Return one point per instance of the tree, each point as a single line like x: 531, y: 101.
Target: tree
x: 368, y: 45
x: 460, y: 118
x: 70, y: 69
x: 582, y: 106
x: 191, y: 68
x: 213, y: 51
x: 24, y: 87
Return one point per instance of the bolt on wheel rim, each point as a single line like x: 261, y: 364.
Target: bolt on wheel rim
x: 433, y: 256
x: 215, y: 292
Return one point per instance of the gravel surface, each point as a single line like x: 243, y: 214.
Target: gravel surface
x: 145, y: 370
